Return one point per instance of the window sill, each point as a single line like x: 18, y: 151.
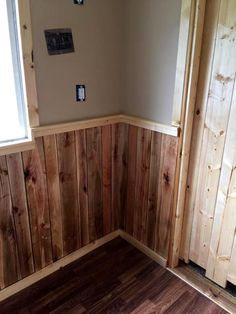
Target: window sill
x: 16, y: 146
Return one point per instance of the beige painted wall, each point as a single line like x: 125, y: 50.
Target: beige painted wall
x: 98, y: 31
x: 126, y: 54
x: 152, y: 30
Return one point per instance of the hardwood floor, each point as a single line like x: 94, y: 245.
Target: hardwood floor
x: 116, y: 278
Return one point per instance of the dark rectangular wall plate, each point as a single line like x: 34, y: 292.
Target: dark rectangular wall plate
x: 59, y: 41
x: 79, y: 2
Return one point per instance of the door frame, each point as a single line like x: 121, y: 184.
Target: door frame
x: 187, y: 72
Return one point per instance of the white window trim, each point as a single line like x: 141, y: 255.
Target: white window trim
x: 28, y: 77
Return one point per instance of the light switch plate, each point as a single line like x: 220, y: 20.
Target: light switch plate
x: 80, y: 93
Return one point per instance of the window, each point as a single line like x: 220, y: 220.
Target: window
x: 13, y: 117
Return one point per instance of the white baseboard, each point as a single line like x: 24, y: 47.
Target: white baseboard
x: 28, y: 281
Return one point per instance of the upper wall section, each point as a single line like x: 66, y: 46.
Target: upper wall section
x: 98, y: 31
x: 125, y: 53
x: 152, y: 31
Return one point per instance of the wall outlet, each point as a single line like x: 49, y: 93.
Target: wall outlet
x: 80, y: 93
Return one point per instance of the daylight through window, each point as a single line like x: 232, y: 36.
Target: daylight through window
x: 13, y: 118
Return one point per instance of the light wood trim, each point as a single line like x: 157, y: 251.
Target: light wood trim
x: 143, y: 248
x: 150, y: 125
x: 28, y: 281
x: 206, y: 287
x: 91, y: 123
x: 184, y: 48
x: 16, y: 147
x: 29, y: 71
x: 208, y: 50
x: 198, y: 13
x: 75, y: 126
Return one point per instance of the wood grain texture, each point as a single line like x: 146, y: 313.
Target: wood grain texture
x: 130, y: 205
x: 76, y: 187
x: 37, y: 195
x: 54, y: 198
x: 20, y: 214
x: 208, y: 49
x: 166, y: 185
x: 82, y: 176
x: 119, y: 173
x: 210, y: 221
x: 69, y: 191
x: 107, y: 178
x: 9, y: 271
x: 214, y: 134
x: 93, y: 138
x: 153, y: 215
x: 116, y: 278
x: 141, y: 184
x: 151, y: 172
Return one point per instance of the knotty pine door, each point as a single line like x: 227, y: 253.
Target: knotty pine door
x: 209, y: 229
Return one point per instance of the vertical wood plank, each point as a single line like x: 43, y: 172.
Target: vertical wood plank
x: 119, y: 173
x: 208, y: 50
x: 51, y: 159
x: 187, y: 115
x: 224, y: 225
x: 68, y: 191
x: 107, y: 177
x: 82, y: 175
x: 131, y: 201
x: 142, y: 180
x: 166, y: 189
x: 37, y: 195
x: 216, y: 121
x: 94, y: 151
x: 231, y: 276
x: 8, y: 247
x: 184, y: 51
x: 20, y: 214
x: 153, y: 214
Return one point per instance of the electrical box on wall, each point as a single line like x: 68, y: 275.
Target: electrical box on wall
x: 59, y: 41
x: 78, y: 1
x: 80, y: 93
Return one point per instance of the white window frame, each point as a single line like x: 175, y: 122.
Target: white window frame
x: 27, y: 83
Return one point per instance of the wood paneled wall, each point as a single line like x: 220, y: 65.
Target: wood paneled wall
x: 76, y: 187
x: 152, y: 160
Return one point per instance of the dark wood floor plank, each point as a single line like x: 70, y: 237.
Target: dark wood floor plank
x: 115, y: 278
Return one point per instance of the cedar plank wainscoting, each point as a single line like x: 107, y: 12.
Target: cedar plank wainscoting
x: 76, y: 187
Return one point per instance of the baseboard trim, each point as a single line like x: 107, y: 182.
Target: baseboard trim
x: 203, y: 285
x: 28, y: 281
x: 143, y: 248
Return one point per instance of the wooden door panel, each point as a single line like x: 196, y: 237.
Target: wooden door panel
x: 210, y: 221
